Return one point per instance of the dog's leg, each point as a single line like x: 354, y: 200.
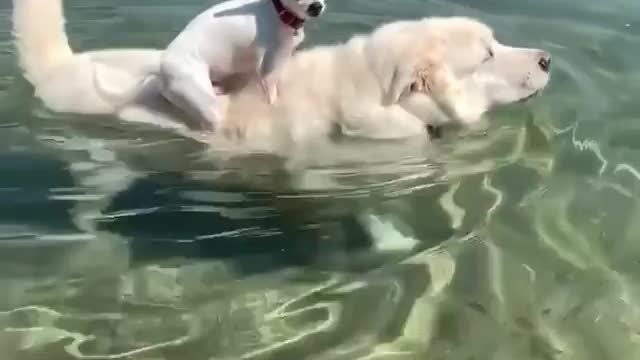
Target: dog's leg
x: 193, y: 93
x: 269, y: 73
x: 374, y: 121
x: 269, y: 87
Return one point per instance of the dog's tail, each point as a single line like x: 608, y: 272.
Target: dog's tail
x: 40, y: 37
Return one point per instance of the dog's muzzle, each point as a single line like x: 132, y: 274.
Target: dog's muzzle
x: 315, y: 9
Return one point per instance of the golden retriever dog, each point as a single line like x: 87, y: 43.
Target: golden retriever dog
x: 389, y: 84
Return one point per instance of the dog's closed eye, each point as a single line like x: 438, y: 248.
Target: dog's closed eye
x: 490, y: 55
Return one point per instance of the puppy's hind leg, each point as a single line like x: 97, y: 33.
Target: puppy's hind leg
x: 194, y: 94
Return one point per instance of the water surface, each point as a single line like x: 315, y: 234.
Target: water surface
x: 117, y: 243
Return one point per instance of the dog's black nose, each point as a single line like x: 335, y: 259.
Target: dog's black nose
x: 315, y: 9
x: 545, y: 62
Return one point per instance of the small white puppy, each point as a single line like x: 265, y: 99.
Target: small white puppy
x: 236, y: 37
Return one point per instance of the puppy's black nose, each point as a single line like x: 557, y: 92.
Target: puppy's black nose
x: 545, y: 62
x: 315, y: 9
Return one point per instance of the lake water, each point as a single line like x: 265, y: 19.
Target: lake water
x: 116, y: 243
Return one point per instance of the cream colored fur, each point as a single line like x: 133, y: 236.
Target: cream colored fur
x: 363, y: 88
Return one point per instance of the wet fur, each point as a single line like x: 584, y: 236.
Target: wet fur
x: 329, y: 90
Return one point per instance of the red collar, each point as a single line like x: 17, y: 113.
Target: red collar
x: 287, y: 16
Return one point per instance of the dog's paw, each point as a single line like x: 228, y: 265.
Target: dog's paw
x: 274, y: 93
x: 206, y: 126
x: 235, y: 131
x: 270, y: 90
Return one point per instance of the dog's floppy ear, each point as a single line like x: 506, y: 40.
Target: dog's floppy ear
x: 417, y: 71
x: 434, y: 78
x: 439, y: 82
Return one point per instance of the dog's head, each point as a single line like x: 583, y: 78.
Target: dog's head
x: 305, y: 9
x: 467, y: 67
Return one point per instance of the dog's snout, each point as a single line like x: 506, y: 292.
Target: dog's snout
x: 315, y: 9
x: 545, y: 62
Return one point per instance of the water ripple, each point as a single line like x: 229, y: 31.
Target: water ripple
x: 120, y: 242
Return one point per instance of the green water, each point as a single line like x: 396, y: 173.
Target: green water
x: 116, y: 244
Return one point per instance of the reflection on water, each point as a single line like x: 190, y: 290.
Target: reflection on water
x: 518, y: 242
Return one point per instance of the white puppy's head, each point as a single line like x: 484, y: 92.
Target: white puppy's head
x: 305, y: 8
x: 470, y: 72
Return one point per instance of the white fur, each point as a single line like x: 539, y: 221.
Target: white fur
x: 236, y: 37
x: 323, y: 91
